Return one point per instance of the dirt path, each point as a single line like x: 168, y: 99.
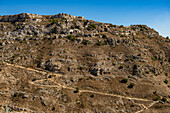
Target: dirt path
x: 143, y: 107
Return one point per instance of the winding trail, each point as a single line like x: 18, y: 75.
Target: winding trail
x: 143, y: 107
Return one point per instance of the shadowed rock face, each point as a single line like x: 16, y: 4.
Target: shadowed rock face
x: 64, y: 63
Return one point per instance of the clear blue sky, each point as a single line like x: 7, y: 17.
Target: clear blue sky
x: 154, y: 13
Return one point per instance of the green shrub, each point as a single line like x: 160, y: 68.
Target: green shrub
x: 131, y: 85
x: 34, y: 79
x: 166, y: 81
x: 91, y: 27
x: 157, y: 98
x: 164, y: 99
x: 122, y: 35
x: 114, y: 63
x: 53, y: 21
x: 132, y: 105
x: 71, y: 37
x: 91, y: 96
x: 166, y: 74
x: 99, y: 43
x: 150, y: 37
x: 153, y: 58
x: 104, y: 36
x: 86, y: 42
x: 76, y: 90
x: 167, y: 37
x: 72, y: 27
x: 121, y: 26
x: 125, y: 80
x: 18, y: 26
x: 121, y: 67
x: 127, y: 60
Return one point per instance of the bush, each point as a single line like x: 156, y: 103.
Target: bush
x: 91, y: 96
x: 166, y: 81
x: 131, y: 85
x: 164, y: 99
x: 53, y: 21
x: 104, y: 36
x: 99, y: 43
x: 166, y: 74
x: 127, y: 60
x: 157, y: 98
x: 122, y: 35
x: 121, y: 67
x: 91, y: 27
x: 167, y: 37
x: 71, y: 37
x: 72, y: 27
x: 34, y: 79
x: 76, y: 90
x: 125, y: 80
x: 86, y: 42
x: 153, y: 58
x: 121, y: 26
x: 18, y: 27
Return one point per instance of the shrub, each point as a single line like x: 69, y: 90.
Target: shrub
x: 167, y: 37
x: 164, y: 99
x: 53, y: 21
x: 86, y: 42
x: 127, y: 60
x: 71, y: 37
x: 134, y: 39
x: 104, y: 36
x: 92, y: 95
x: 122, y: 35
x: 76, y: 90
x: 132, y: 105
x: 125, y: 80
x: 131, y: 85
x: 114, y: 63
x: 166, y: 81
x: 18, y: 26
x: 91, y: 27
x: 121, y: 67
x: 153, y: 58
x: 72, y: 27
x: 139, y: 54
x: 99, y: 43
x: 157, y: 98
x: 34, y: 79
x: 121, y: 26
x: 166, y: 74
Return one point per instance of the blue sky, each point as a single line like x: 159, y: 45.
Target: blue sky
x: 154, y: 13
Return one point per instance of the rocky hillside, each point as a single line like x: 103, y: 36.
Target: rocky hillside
x: 101, y: 67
